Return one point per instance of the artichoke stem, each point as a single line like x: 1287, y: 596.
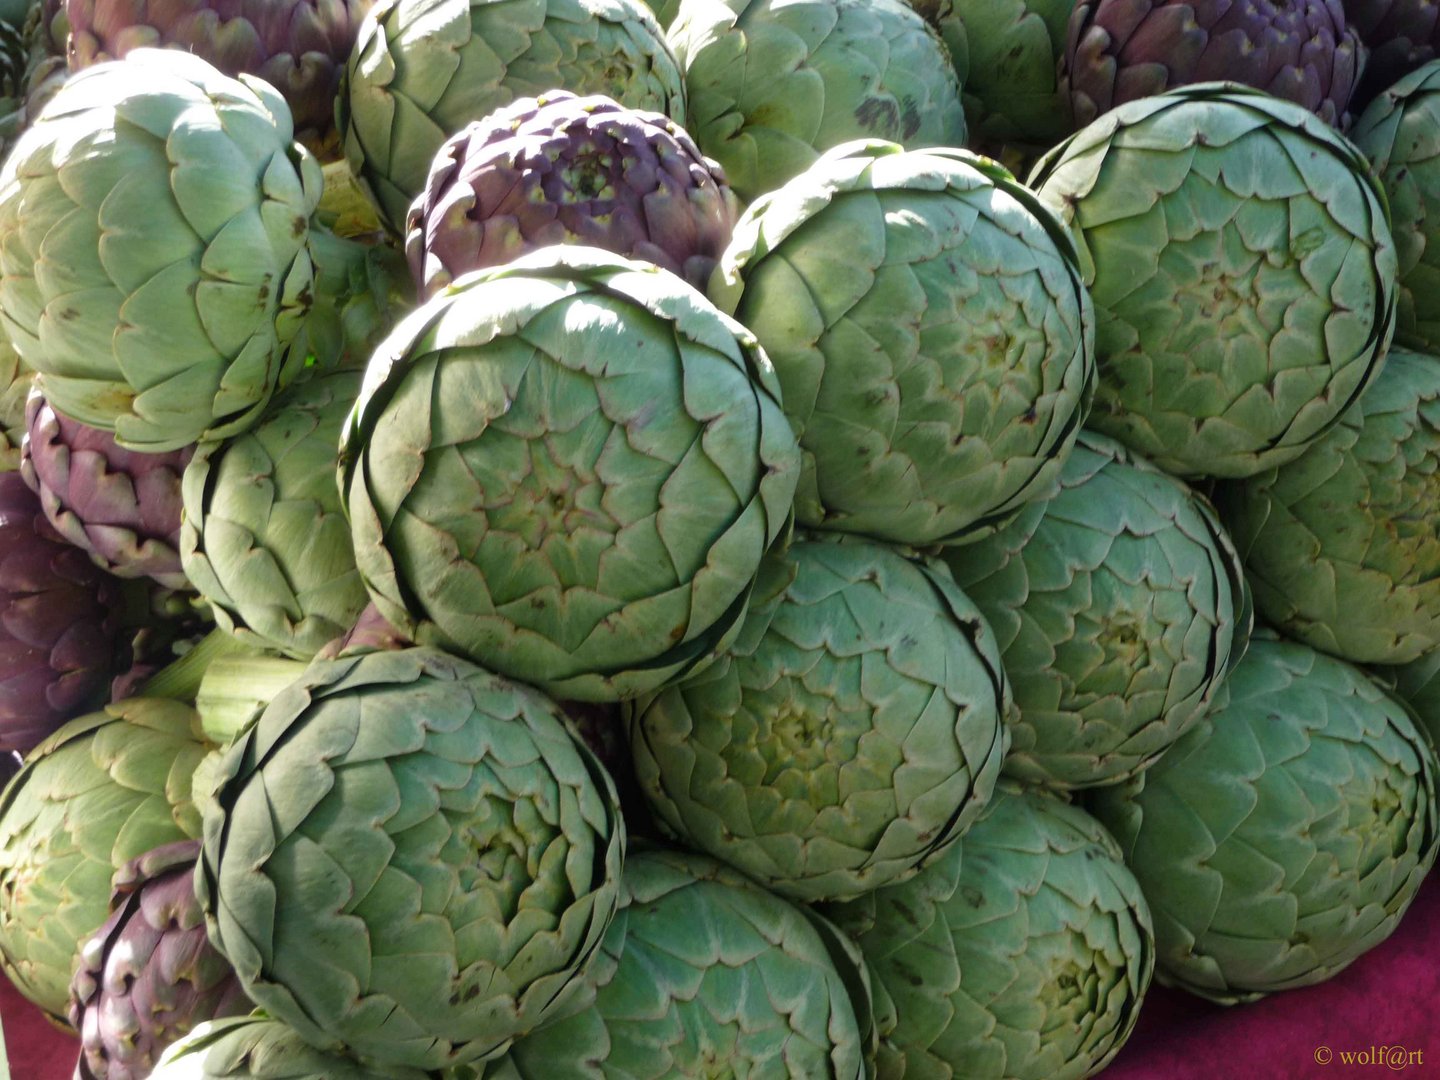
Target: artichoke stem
x: 181, y: 679
x: 237, y: 687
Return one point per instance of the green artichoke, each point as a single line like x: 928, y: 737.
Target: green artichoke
x: 1400, y: 134
x: 1239, y: 255
x: 421, y: 71
x: 851, y: 734
x: 703, y: 973
x: 568, y: 469
x: 104, y: 789
x: 1023, y: 952
x: 258, y: 1048
x: 153, y: 255
x: 931, y: 334
x: 410, y: 858
x: 1342, y: 545
x: 1286, y: 833
x: 264, y: 538
x: 1119, y: 607
x: 771, y: 84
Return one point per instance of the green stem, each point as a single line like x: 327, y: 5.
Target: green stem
x: 236, y: 689
x: 180, y: 680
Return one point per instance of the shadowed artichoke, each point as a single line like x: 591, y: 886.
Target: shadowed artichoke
x: 1418, y: 685
x: 1286, y: 833
x: 1401, y: 35
x: 149, y: 974
x: 1121, y: 50
x: 410, y: 858
x: 259, y: 1048
x: 1022, y: 952
x: 1239, y: 255
x: 561, y: 169
x: 121, y: 506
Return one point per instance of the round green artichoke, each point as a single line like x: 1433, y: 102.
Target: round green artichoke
x: 568, y: 469
x: 1286, y: 833
x: 410, y: 858
x: 771, y: 84
x: 849, y: 736
x: 1119, y: 607
x: 1239, y: 255
x: 264, y: 537
x: 257, y: 1047
x: 1342, y: 545
x: 102, y: 790
x: 703, y: 973
x: 420, y: 73
x: 1400, y: 134
x: 1023, y: 952
x: 931, y: 334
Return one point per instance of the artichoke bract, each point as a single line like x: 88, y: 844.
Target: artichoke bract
x: 1299, y: 50
x: 410, y: 858
x: 1418, y: 685
x: 852, y: 732
x: 1024, y: 951
x: 153, y: 257
x: 102, y: 790
x: 1400, y: 134
x: 59, y: 623
x: 297, y: 46
x: 1239, y: 254
x: 1286, y: 833
x: 265, y: 539
x: 931, y: 334
x: 569, y: 469
x: 1119, y: 607
x: 121, y: 506
x: 260, y: 1048
x: 16, y: 382
x: 149, y: 974
x: 1342, y: 545
x: 703, y: 973
x: 1401, y: 35
x: 771, y: 84
x: 562, y: 169
x: 421, y: 72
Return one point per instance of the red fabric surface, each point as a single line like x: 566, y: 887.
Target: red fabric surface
x: 1389, y: 998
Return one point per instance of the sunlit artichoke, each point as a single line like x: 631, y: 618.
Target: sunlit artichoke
x: 1286, y: 833
x: 930, y: 332
x: 260, y: 1048
x: 410, y: 858
x: 1239, y: 255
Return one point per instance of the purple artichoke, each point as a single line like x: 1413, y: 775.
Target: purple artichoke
x: 1300, y: 50
x: 149, y: 974
x: 1401, y: 35
x: 297, y: 46
x: 561, y: 169
x: 121, y: 506
x: 58, y: 623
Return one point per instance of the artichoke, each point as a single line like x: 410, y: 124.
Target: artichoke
x: 1418, y: 685
x: 59, y: 623
x: 121, y: 506
x: 1122, y: 50
x: 259, y: 1048
x: 1286, y: 833
x: 703, y: 973
x: 1119, y: 608
x: 1401, y: 35
x: 1400, y: 134
x: 851, y: 734
x: 931, y: 334
x: 102, y: 790
x: 149, y: 974
x: 411, y: 858
x: 153, y: 256
x: 771, y: 84
x: 1342, y: 545
x: 16, y: 381
x: 264, y: 538
x: 1022, y: 952
x: 568, y: 469
x: 1239, y: 255
x: 421, y: 72
x: 561, y: 169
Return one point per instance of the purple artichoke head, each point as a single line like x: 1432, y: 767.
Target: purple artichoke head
x: 149, y: 974
x: 297, y: 46
x: 1300, y: 50
x: 121, y: 506
x: 59, y: 616
x: 562, y: 169
x: 1401, y: 35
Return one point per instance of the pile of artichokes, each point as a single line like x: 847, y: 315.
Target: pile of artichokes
x: 827, y: 538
